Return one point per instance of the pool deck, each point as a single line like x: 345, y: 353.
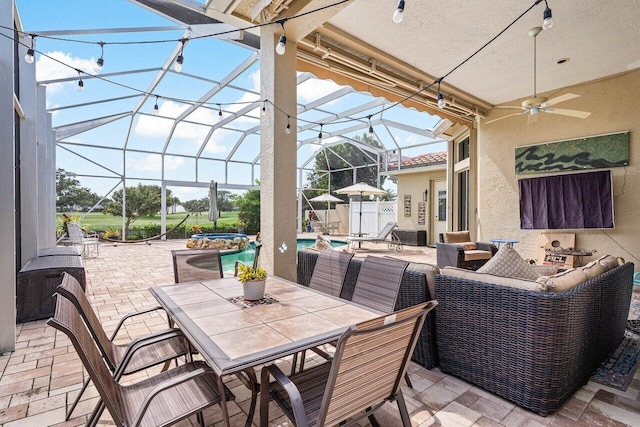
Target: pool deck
x: 42, y: 376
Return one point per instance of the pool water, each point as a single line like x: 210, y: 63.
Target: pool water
x: 229, y: 260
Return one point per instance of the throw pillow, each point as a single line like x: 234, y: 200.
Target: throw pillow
x: 456, y: 236
x: 468, y: 246
x: 563, y: 281
x: 507, y: 262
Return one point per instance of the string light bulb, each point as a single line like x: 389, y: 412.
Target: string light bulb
x: 177, y: 67
x: 156, y: 109
x: 30, y: 55
x: 398, y: 14
x: 441, y: 102
x: 320, y: 135
x: 282, y: 45
x: 287, y: 130
x: 80, y: 82
x: 547, y: 16
x: 100, y: 61
x: 371, y: 133
x: 264, y: 107
x: 219, y: 112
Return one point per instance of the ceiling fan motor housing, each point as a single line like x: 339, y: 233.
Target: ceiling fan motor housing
x: 532, y: 102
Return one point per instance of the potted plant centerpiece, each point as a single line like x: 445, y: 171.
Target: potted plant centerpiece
x: 253, y: 282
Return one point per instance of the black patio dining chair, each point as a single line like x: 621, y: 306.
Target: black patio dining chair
x: 122, y: 359
x: 160, y: 400
x: 190, y: 265
x: 365, y: 373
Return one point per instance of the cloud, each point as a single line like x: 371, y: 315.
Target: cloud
x: 152, y: 163
x: 159, y: 127
x: 50, y: 69
x: 314, y: 89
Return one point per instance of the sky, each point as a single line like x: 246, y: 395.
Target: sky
x: 92, y: 155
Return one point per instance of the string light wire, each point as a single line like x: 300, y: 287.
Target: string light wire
x: 279, y: 22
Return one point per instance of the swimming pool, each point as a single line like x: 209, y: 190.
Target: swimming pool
x: 246, y: 256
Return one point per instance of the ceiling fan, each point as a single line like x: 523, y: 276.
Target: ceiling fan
x: 537, y: 104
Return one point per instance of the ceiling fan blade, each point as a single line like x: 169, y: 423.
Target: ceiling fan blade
x: 508, y: 115
x: 561, y: 98
x: 511, y: 107
x: 571, y: 113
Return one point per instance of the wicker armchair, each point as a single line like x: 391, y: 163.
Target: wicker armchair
x: 456, y: 249
x: 371, y: 359
x: 160, y: 400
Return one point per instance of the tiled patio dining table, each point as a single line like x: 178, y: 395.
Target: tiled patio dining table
x: 233, y: 336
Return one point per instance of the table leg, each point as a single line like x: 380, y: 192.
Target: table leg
x: 223, y: 402
x: 249, y: 379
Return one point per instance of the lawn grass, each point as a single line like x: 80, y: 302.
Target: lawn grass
x: 100, y: 221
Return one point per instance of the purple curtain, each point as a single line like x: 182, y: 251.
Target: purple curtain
x: 582, y: 200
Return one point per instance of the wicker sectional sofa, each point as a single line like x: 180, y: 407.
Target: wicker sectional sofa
x: 532, y: 348
x: 413, y: 290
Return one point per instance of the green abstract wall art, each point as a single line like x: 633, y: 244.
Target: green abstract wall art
x: 594, y: 152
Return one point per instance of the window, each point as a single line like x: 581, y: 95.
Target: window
x: 463, y: 200
x: 463, y: 149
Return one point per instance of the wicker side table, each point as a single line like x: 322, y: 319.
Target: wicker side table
x: 37, y: 282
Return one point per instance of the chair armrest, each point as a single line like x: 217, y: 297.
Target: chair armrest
x: 130, y: 315
x: 485, y: 246
x: 289, y: 387
x: 145, y: 341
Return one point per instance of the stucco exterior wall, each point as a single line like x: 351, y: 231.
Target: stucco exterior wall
x: 414, y: 184
x: 614, y: 106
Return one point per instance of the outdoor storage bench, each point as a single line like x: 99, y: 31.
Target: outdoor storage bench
x: 37, y: 281
x: 533, y: 348
x: 413, y: 290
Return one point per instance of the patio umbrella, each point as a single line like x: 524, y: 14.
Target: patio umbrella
x: 361, y: 189
x: 326, y: 197
x: 213, y: 204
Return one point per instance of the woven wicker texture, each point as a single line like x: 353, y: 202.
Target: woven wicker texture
x: 190, y: 265
x: 124, y: 402
x: 330, y: 271
x: 369, y: 363
x: 413, y: 290
x: 533, y: 348
x: 379, y: 282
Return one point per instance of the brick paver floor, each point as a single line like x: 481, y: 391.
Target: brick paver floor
x: 42, y: 376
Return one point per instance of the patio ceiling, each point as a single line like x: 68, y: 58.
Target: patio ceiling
x: 599, y: 38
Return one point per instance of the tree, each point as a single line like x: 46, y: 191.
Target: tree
x: 333, y: 159
x: 249, y: 207
x: 70, y: 195
x: 172, y: 203
x: 143, y: 200
x: 225, y: 201
x: 197, y: 206
x: 389, y: 195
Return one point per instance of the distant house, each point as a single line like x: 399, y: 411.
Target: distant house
x: 422, y: 192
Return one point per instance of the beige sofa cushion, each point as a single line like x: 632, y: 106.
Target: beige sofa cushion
x: 529, y: 285
x: 593, y: 269
x: 430, y: 271
x: 608, y: 262
x: 507, y: 262
x: 563, y: 281
x: 476, y: 254
x: 456, y: 237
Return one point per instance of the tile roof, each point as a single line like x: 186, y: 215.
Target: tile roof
x: 426, y: 159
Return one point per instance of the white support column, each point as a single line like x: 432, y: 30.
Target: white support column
x: 278, y: 156
x: 29, y: 195
x: 7, y: 184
